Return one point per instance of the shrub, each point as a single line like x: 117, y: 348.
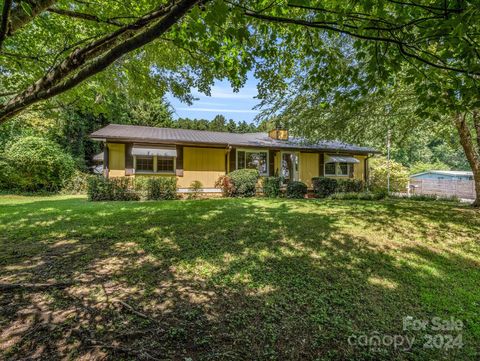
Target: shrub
x: 349, y: 185
x: 244, y: 182
x: 195, y: 188
x: 454, y: 199
x: 362, y: 196
x: 9, y: 177
x: 38, y: 164
x: 114, y: 189
x: 323, y: 186
x: 296, y: 190
x: 161, y: 188
x: 378, y: 175
x: 225, y: 184
x: 77, y: 184
x: 271, y: 186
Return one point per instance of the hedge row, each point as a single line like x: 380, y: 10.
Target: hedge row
x: 130, y: 189
x: 324, y: 187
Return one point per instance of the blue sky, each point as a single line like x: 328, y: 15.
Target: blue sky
x: 236, y: 106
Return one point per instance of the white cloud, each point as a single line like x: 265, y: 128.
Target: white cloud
x: 215, y: 110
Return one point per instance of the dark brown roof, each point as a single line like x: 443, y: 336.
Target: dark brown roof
x: 134, y: 133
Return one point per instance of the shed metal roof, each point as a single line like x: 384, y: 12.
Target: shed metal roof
x: 136, y: 133
x: 453, y: 173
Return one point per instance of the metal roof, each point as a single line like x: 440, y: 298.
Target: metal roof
x: 135, y: 133
x: 453, y: 173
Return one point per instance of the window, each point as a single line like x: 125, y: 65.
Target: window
x: 241, y: 160
x: 253, y: 160
x: 165, y: 164
x: 144, y: 164
x: 154, y: 164
x: 338, y: 169
x: 330, y: 168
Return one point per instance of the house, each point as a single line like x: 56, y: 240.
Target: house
x: 205, y: 155
x: 443, y: 175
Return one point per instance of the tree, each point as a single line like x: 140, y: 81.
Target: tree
x: 218, y: 123
x: 37, y: 163
x: 58, y: 45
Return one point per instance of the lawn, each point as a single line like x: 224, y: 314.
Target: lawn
x: 230, y: 279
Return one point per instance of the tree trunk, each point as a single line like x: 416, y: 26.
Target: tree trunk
x: 471, y: 151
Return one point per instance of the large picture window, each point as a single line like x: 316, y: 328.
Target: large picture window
x: 253, y: 160
x: 337, y: 169
x: 154, y: 164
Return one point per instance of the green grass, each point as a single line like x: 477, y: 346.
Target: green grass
x: 229, y: 279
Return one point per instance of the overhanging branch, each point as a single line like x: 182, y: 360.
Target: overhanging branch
x: 95, y: 57
x: 363, y: 36
x: 84, y: 16
x: 20, y: 17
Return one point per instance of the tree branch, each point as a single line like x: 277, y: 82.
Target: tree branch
x: 84, y: 16
x: 94, y: 58
x: 20, y: 17
x: 328, y: 26
x: 4, y: 25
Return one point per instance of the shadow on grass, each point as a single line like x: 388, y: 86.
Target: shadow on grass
x: 234, y: 279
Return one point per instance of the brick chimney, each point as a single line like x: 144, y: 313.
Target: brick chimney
x: 278, y: 134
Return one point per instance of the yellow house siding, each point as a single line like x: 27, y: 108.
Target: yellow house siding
x: 308, y: 167
x: 359, y: 169
x: 202, y: 164
x: 116, y: 159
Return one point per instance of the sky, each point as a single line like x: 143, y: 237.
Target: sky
x: 236, y: 106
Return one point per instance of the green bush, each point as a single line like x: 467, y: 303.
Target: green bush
x: 77, y: 184
x: 9, y: 178
x: 271, y: 186
x: 244, y: 182
x: 296, y: 190
x: 114, y: 189
x: 323, y: 186
x: 195, y: 188
x: 37, y: 164
x: 425, y: 197
x: 159, y: 188
x: 362, y: 196
x: 349, y: 185
x: 378, y: 175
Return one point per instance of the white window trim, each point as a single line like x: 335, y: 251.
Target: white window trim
x: 154, y: 166
x: 253, y: 150
x: 337, y: 168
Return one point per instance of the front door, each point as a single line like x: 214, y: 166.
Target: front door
x: 289, y: 166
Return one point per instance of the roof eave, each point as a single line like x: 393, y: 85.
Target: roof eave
x: 273, y: 146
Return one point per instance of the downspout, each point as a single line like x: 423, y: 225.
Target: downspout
x: 227, y: 158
